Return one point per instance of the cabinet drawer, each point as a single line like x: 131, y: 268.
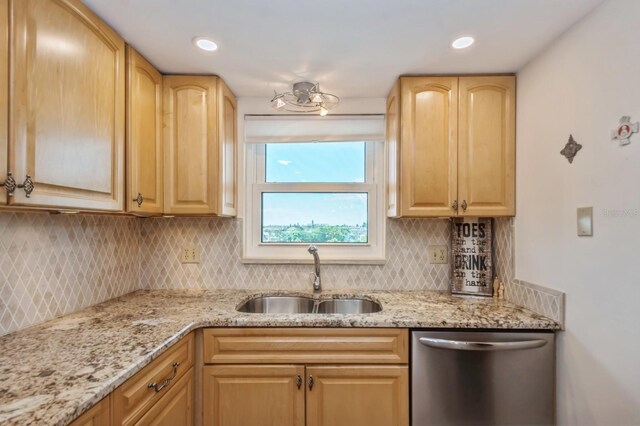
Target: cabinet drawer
x: 175, y: 407
x: 133, y: 398
x: 305, y: 345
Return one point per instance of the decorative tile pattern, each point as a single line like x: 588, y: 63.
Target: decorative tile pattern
x: 51, y: 265
x: 542, y: 300
x: 220, y: 243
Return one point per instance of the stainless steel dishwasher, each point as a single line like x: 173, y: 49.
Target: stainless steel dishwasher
x: 482, y: 378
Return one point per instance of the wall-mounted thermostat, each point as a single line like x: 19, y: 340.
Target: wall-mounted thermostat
x: 585, y: 221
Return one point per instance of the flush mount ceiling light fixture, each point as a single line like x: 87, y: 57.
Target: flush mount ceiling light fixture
x: 205, y: 44
x: 304, y: 97
x: 462, y: 42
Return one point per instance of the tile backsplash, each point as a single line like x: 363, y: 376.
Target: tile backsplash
x: 51, y: 265
x: 220, y: 243
x: 543, y: 300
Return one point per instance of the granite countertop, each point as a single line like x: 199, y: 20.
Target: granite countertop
x: 55, y: 371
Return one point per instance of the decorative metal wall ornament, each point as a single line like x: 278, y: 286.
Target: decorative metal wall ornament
x: 571, y: 149
x: 472, y: 253
x: 624, y: 131
x: 305, y: 96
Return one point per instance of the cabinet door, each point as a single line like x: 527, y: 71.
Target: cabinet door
x: 191, y: 144
x: 144, y: 135
x: 486, y: 151
x: 175, y: 408
x: 67, y: 108
x: 358, y: 396
x: 250, y: 395
x: 429, y: 145
x: 4, y: 93
x: 393, y: 151
x: 227, y: 130
x: 98, y: 415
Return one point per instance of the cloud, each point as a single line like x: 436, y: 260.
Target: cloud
x: 285, y: 162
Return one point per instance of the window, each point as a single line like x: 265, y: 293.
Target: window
x: 324, y: 193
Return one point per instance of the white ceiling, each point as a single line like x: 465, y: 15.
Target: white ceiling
x: 354, y: 48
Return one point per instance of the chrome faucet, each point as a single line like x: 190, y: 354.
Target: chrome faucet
x: 317, y: 286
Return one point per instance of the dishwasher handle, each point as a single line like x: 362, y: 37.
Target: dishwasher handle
x: 461, y: 345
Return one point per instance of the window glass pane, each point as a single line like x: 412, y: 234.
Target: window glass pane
x: 314, y: 217
x: 315, y: 162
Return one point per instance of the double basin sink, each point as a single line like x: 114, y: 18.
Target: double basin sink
x: 309, y: 305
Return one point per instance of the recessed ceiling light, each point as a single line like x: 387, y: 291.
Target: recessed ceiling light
x: 205, y: 44
x: 462, y: 42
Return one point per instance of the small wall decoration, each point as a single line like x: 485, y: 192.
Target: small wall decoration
x: 571, y: 149
x: 472, y: 252
x: 624, y: 131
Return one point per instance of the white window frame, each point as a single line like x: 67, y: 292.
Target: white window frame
x: 372, y: 252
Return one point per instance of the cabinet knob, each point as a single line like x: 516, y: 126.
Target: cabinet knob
x: 310, y: 382
x: 139, y: 199
x: 27, y: 185
x: 9, y: 184
x: 454, y: 206
x: 298, y: 381
x: 464, y: 205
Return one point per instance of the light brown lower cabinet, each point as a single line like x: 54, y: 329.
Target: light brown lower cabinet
x: 303, y: 376
x: 277, y: 395
x: 253, y: 395
x: 371, y: 395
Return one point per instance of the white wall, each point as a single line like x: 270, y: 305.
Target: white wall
x: 581, y: 85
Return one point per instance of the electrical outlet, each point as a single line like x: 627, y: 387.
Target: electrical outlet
x: 190, y: 254
x: 438, y: 254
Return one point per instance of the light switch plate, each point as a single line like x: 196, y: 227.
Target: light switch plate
x: 438, y: 254
x: 585, y: 221
x: 190, y: 254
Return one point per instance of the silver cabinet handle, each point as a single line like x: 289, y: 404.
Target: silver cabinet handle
x: 139, y: 199
x: 310, y: 382
x: 28, y: 186
x: 9, y: 184
x: 461, y: 345
x: 167, y: 381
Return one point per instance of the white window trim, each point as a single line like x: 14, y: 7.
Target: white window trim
x: 372, y: 252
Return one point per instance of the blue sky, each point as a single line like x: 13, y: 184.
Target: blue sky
x: 315, y: 162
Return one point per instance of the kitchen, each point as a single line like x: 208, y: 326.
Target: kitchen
x: 161, y: 196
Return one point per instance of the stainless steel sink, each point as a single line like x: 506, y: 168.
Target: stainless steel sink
x: 308, y: 305
x: 278, y: 305
x: 348, y: 306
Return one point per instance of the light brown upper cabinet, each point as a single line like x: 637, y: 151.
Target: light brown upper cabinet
x: 200, y: 146
x: 451, y: 147
x: 144, y: 136
x: 4, y: 95
x: 67, y: 107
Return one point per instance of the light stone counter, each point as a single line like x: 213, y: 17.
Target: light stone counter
x: 53, y: 372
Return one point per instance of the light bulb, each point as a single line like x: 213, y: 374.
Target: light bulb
x: 205, y: 44
x: 462, y: 42
x: 278, y: 104
x: 316, y: 98
x: 323, y: 111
